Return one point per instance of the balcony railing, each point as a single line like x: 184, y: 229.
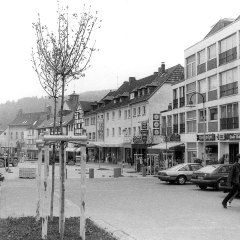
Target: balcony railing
x: 229, y: 123
x: 175, y: 103
x: 227, y: 56
x: 182, y: 101
x: 229, y: 89
x: 182, y: 127
x: 175, y: 128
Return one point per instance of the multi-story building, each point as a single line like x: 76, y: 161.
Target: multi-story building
x: 126, y: 121
x: 212, y: 71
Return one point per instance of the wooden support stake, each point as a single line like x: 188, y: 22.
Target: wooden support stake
x: 45, y: 198
x: 83, y: 193
x: 39, y: 183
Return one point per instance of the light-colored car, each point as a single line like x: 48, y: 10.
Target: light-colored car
x: 179, y: 173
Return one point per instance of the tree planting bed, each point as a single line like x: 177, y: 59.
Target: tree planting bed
x: 27, y: 228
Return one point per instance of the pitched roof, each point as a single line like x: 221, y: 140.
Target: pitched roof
x: 86, y: 105
x: 48, y: 123
x: 222, y: 23
x: 171, y: 75
x: 29, y: 120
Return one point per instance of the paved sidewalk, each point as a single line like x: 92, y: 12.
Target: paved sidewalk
x: 105, y: 171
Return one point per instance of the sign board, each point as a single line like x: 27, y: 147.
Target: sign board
x: 156, y: 132
x: 144, y: 132
x: 208, y: 137
x: 144, y: 125
x: 156, y: 116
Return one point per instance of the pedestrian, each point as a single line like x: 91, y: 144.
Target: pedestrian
x: 233, y: 180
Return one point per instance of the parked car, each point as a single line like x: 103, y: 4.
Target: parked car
x: 211, y: 176
x: 179, y: 173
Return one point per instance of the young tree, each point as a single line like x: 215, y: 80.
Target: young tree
x: 67, y: 54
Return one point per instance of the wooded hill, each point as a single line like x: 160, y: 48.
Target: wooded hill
x: 9, y: 110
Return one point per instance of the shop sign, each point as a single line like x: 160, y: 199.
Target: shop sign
x: 208, y: 137
x: 156, y: 132
x: 144, y: 132
x: 144, y: 125
x: 232, y: 136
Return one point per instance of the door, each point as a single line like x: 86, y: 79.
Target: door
x: 233, y: 151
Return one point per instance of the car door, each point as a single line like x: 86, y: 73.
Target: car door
x: 187, y: 171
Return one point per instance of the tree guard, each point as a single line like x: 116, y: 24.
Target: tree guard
x: 46, y: 140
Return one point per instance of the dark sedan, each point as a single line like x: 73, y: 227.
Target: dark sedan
x: 211, y: 176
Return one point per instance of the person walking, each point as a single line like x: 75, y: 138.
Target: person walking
x: 233, y: 180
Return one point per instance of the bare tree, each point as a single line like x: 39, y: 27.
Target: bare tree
x: 67, y: 54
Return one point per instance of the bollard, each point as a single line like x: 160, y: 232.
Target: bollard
x: 116, y: 172
x: 91, y: 172
x: 144, y: 171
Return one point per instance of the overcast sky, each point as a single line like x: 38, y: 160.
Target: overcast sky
x: 136, y: 36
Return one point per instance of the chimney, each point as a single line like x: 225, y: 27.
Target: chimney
x: 162, y: 69
x: 131, y: 80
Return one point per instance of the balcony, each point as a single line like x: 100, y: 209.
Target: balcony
x: 175, y: 128
x: 182, y: 127
x: 229, y: 89
x: 182, y: 101
x: 227, y: 56
x: 229, y: 123
x: 175, y: 103
x: 201, y: 68
x: 211, y: 64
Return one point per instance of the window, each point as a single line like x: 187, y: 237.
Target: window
x: 185, y: 168
x: 139, y: 129
x: 132, y: 96
x: 139, y: 111
x: 229, y: 116
x: 228, y: 43
x: 93, y: 120
x: 90, y: 136
x: 113, y: 132
x: 143, y: 91
x: 191, y: 66
x: 202, y: 86
x: 119, y: 113
x: 16, y: 135
x: 129, y: 113
x: 119, y: 131
x: 125, y: 114
x: 201, y: 57
x: 191, y: 121
x: 107, y: 132
x: 202, y: 114
x: 129, y: 131
x: 212, y: 52
x: 213, y: 112
x: 93, y: 136
x: 113, y: 115
x: 212, y: 83
x: 175, y: 94
x: 134, y: 131
x: 143, y: 110
x: 107, y: 116
x: 134, y: 112
x: 228, y: 76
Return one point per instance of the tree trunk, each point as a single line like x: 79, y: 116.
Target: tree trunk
x: 53, y: 160
x: 62, y: 178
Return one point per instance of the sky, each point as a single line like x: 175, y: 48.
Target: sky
x: 134, y: 38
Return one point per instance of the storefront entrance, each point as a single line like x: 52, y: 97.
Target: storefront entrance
x: 233, y: 151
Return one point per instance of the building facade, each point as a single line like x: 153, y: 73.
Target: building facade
x: 209, y: 127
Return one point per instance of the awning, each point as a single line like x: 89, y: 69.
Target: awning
x: 102, y: 144
x: 169, y: 145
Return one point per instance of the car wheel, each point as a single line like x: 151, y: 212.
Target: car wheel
x: 15, y: 163
x: 1, y: 163
x: 202, y: 187
x: 181, y: 180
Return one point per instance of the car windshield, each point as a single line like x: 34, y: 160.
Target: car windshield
x: 175, y: 168
x: 208, y: 169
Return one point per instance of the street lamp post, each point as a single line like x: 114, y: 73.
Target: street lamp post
x: 204, y: 123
